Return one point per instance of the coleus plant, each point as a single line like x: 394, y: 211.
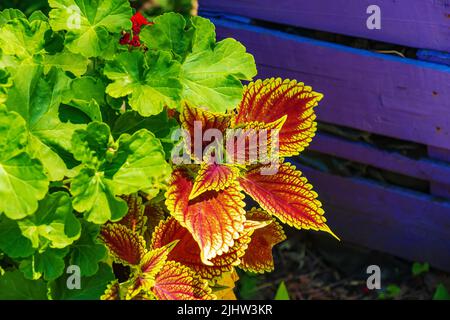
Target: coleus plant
x: 89, y: 100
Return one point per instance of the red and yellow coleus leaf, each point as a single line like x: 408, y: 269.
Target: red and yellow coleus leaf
x: 215, y: 218
x: 151, y: 265
x: 135, y: 220
x: 213, y: 176
x: 286, y: 195
x: 112, y: 291
x: 125, y: 246
x: 187, y: 251
x: 154, y: 259
x: 196, y: 122
x: 178, y: 282
x: 269, y: 100
x: 154, y: 212
x: 258, y: 256
x: 254, y: 142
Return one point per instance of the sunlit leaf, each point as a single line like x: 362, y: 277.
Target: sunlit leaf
x: 177, y: 282
x: 258, y: 256
x: 286, y: 195
x: 89, y: 23
x: 124, y: 245
x: 187, y: 251
x: 270, y: 99
x: 215, y: 219
x: 214, y: 177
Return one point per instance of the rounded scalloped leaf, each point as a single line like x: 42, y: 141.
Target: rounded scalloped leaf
x: 215, y: 219
x: 258, y: 256
x: 187, y: 251
x: 178, y: 282
x: 125, y: 246
x: 22, y: 179
x: 286, y: 195
x: 269, y: 100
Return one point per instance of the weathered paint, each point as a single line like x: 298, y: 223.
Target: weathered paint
x: 414, y: 23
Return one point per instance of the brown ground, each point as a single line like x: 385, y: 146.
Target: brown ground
x: 318, y: 267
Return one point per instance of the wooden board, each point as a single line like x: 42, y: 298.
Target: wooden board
x: 392, y: 96
x: 414, y: 23
x: 425, y: 169
x: 438, y: 188
x: 405, y: 224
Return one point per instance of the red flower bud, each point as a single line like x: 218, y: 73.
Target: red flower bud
x: 125, y: 39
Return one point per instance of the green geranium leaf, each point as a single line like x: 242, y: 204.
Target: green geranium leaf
x: 10, y: 14
x: 89, y: 23
x: 211, y: 74
x: 14, y: 286
x: 92, y: 288
x: 94, y: 195
x: 150, y: 80
x: 86, y: 94
x: 38, y: 16
x: 91, y: 145
x: 87, y: 252
x: 133, y: 163
x: 53, y: 223
x: 37, y: 99
x: 67, y: 61
x: 22, y: 178
x: 12, y: 242
x: 204, y: 37
x: 49, y: 264
x: 169, y: 33
x: 5, y: 84
x: 160, y: 125
x: 139, y: 164
x: 23, y: 39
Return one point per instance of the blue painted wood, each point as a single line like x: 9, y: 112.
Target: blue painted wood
x: 437, y: 172
x: 407, y: 224
x: 416, y: 23
x: 383, y: 94
x: 441, y: 189
x: 434, y: 56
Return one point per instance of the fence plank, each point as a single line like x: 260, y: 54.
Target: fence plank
x: 441, y: 189
x: 406, y: 224
x: 413, y: 23
x: 425, y: 169
x: 392, y: 96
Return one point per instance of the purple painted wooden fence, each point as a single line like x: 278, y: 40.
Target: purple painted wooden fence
x: 425, y: 169
x: 402, y: 223
x: 396, y: 97
x: 415, y: 23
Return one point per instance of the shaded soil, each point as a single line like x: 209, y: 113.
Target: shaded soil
x: 318, y: 267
